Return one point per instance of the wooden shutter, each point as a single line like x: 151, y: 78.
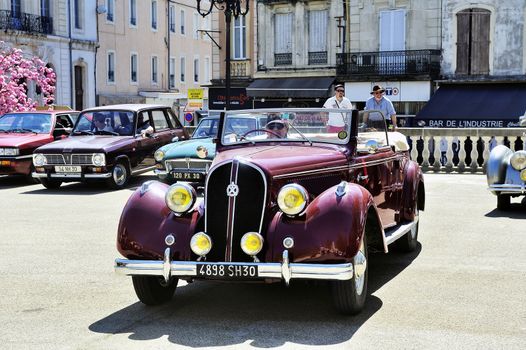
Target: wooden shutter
x: 318, y: 23
x: 480, y: 42
x: 283, y: 33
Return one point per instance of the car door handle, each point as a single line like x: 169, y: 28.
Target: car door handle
x: 362, y: 177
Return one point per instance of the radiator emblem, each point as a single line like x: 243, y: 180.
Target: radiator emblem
x: 232, y: 190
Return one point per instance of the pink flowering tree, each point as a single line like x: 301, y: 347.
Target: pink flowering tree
x: 16, y: 71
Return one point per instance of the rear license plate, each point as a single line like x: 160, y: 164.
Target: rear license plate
x: 179, y: 175
x: 227, y: 271
x: 67, y: 169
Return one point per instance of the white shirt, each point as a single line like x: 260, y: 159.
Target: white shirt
x: 335, y: 119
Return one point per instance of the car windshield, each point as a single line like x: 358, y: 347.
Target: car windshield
x: 238, y: 124
x: 105, y: 122
x: 298, y: 125
x: 39, y: 123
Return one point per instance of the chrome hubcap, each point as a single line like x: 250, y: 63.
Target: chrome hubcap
x: 119, y: 174
x: 360, y: 265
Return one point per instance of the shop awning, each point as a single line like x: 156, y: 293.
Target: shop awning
x: 291, y: 87
x: 482, y: 105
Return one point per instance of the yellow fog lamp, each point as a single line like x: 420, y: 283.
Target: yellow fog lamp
x: 251, y: 243
x: 518, y: 160
x: 523, y: 175
x: 180, y: 197
x: 292, y: 199
x: 201, y: 244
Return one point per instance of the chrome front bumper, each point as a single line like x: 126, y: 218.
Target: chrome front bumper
x: 284, y: 271
x: 72, y: 176
x: 508, y: 188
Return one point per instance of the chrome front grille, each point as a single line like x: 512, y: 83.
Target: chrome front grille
x: 67, y: 159
x: 188, y: 164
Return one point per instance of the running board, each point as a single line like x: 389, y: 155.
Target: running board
x: 396, y: 232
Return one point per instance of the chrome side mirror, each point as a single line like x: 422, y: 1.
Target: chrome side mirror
x: 372, y: 146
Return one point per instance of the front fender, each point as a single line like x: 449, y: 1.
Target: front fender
x: 413, y: 187
x: 146, y: 221
x: 498, y: 161
x: 329, y: 231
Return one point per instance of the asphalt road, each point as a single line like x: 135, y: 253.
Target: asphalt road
x: 464, y: 287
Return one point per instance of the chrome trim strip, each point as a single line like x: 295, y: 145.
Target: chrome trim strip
x: 508, y: 188
x: 399, y: 231
x: 142, y: 170
x: 24, y: 157
x: 339, y: 272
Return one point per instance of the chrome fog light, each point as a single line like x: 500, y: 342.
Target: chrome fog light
x: 523, y: 175
x: 288, y: 242
x: 292, y: 199
x: 201, y: 244
x: 251, y: 243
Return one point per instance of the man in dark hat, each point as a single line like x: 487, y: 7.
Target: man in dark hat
x: 337, y: 121
x: 381, y: 103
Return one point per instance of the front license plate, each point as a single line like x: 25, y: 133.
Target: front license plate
x: 67, y: 169
x: 179, y: 175
x: 227, y: 271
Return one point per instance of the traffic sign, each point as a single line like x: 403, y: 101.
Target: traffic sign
x: 188, y: 117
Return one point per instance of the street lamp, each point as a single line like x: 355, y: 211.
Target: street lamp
x: 230, y: 7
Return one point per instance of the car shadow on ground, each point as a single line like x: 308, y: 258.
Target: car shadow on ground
x: 517, y: 210
x: 90, y: 188
x: 204, y: 314
x: 11, y: 181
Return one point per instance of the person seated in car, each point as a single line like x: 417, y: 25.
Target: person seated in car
x: 143, y: 126
x: 277, y: 127
x: 99, y: 123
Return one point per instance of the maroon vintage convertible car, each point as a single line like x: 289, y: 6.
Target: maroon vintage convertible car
x: 290, y: 201
x: 22, y: 132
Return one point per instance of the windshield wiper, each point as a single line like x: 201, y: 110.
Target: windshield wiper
x: 22, y: 130
x: 82, y: 132
x: 301, y: 134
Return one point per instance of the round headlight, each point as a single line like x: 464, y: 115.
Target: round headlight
x: 39, y: 159
x: 523, y: 175
x: 158, y: 155
x: 251, y: 243
x: 98, y: 159
x: 518, y: 160
x: 201, y: 243
x: 180, y: 197
x: 292, y: 199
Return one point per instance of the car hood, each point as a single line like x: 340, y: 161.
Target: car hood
x: 188, y: 148
x: 286, y: 159
x: 86, y: 143
x: 19, y: 140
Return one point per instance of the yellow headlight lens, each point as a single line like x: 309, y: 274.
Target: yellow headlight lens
x: 201, y: 243
x: 518, y: 160
x: 252, y: 243
x: 158, y: 155
x: 180, y: 197
x: 292, y: 199
x: 523, y: 175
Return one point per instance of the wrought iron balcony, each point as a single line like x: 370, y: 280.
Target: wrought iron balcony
x: 25, y: 22
x: 386, y: 64
x: 319, y: 57
x: 283, y: 59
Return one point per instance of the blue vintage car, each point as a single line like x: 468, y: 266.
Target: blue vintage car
x: 190, y: 160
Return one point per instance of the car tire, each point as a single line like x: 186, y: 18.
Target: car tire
x: 153, y: 290
x: 408, y: 242
x: 50, y: 184
x: 503, y: 201
x: 349, y: 296
x: 119, y: 176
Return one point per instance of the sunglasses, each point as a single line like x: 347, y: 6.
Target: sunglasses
x: 340, y: 90
x: 275, y: 126
x: 378, y: 93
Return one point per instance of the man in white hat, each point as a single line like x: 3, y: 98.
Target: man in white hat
x: 381, y: 103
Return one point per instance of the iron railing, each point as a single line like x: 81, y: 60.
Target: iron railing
x: 283, y: 59
x: 318, y: 57
x: 389, y: 63
x: 25, y: 22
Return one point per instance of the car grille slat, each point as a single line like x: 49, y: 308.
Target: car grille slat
x: 188, y: 164
x: 67, y: 159
x: 246, y: 209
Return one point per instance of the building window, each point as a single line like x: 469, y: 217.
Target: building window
x: 44, y: 8
x: 111, y: 67
x: 154, y: 70
x: 133, y: 12
x: 240, y: 36
x: 196, y: 70
x: 154, y: 14
x: 133, y: 68
x: 172, y: 73
x: 183, y: 69
x: 206, y: 70
x: 110, y: 5
x: 172, y: 19
x: 318, y: 23
x: 196, y: 26
x: 283, y: 39
x: 473, y: 32
x: 77, y: 10
x: 182, y: 23
x: 16, y: 11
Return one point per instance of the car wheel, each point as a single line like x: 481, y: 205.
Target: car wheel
x: 407, y: 243
x: 503, y: 201
x: 349, y: 296
x: 153, y: 290
x: 119, y: 176
x: 50, y: 184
